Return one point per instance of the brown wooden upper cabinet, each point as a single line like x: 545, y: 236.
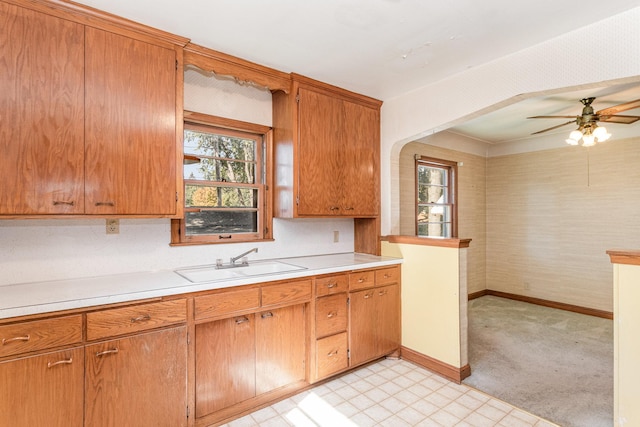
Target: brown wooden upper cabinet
x: 327, y: 149
x: 88, y: 118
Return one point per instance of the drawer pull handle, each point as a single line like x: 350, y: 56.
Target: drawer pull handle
x: 106, y: 352
x: 60, y: 362
x: 360, y: 280
x: 332, y: 285
x: 63, y: 202
x: 267, y: 314
x: 332, y: 314
x: 349, y: 208
x: 381, y: 293
x: 387, y: 276
x: 334, y: 208
x: 142, y: 318
x: 10, y: 340
x: 368, y: 295
x: 241, y: 320
x: 332, y: 353
x: 105, y: 204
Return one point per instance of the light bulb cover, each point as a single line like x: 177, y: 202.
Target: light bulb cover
x: 600, y: 132
x: 588, y: 140
x: 571, y: 141
x: 575, y: 135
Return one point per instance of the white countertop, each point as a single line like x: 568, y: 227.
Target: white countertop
x: 41, y: 297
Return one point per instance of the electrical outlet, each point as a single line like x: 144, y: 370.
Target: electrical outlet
x: 113, y: 226
x: 336, y: 236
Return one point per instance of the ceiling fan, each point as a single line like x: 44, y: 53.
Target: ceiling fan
x: 588, y: 121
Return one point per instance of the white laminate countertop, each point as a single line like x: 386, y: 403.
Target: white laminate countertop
x: 42, y: 297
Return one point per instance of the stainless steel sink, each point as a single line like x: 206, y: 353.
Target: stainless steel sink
x: 209, y: 273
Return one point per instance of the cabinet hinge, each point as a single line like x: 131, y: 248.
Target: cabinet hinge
x: 348, y: 300
x: 176, y: 65
x: 266, y: 230
x: 297, y: 200
x: 176, y: 196
x: 187, y: 411
x: 348, y: 354
x: 188, y: 338
x: 298, y: 98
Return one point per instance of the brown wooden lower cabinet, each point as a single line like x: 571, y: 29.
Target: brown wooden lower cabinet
x: 242, y: 357
x: 374, y: 318
x: 43, y: 390
x: 137, y: 381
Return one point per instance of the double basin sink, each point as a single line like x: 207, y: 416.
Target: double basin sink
x: 210, y: 273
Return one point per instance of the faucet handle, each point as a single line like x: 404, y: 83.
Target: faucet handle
x: 219, y: 262
x: 244, y: 260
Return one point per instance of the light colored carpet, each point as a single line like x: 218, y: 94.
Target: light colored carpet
x: 553, y: 363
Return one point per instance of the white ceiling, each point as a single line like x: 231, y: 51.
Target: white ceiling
x: 385, y: 48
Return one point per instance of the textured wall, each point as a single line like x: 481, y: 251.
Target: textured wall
x: 551, y: 215
x: 471, y: 200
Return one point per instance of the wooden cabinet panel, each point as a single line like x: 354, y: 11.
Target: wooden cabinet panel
x: 227, y: 302
x: 280, y: 347
x: 125, y: 320
x: 319, y: 162
x: 286, y: 293
x: 44, y: 390
x: 362, y: 279
x: 40, y: 334
x: 374, y: 328
x: 130, y: 126
x: 137, y: 381
x: 331, y: 315
x: 332, y: 285
x: 225, y: 363
x: 331, y: 355
x: 42, y: 108
x: 386, y: 276
x: 359, y: 154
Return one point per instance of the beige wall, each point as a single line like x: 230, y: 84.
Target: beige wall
x: 551, y: 215
x: 471, y: 200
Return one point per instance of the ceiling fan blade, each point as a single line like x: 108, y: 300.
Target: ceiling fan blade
x: 619, y: 108
x: 553, y: 117
x: 555, y: 127
x: 627, y: 120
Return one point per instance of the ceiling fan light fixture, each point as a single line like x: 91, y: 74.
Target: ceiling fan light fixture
x: 601, y: 133
x: 588, y: 140
x: 575, y: 136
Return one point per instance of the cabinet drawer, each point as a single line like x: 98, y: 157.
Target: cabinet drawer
x: 331, y: 355
x: 361, y: 279
x: 331, y: 315
x: 286, y: 293
x: 119, y: 321
x: 226, y: 303
x: 331, y: 285
x: 40, y: 334
x: 386, y: 276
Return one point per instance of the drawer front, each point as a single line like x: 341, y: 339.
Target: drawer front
x: 286, y: 293
x: 387, y: 276
x: 226, y: 303
x: 331, y: 315
x: 361, y: 279
x: 125, y: 320
x: 331, y: 355
x: 332, y: 285
x: 40, y: 334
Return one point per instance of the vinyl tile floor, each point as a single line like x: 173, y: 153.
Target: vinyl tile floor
x: 393, y: 393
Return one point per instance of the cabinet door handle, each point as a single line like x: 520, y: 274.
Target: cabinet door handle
x: 387, y: 276
x: 334, y: 208
x: 105, y: 204
x: 240, y: 320
x: 368, y: 295
x: 332, y: 285
x: 332, y: 353
x: 106, y: 352
x: 332, y: 314
x: 360, y: 280
x: 60, y: 362
x: 63, y: 202
x: 382, y: 293
x: 350, y: 208
x: 142, y: 318
x: 14, y: 339
x: 267, y: 314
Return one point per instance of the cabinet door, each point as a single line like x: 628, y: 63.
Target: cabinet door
x: 130, y: 126
x: 137, y: 381
x: 225, y: 363
x: 361, y: 158
x: 388, y: 313
x: 363, y: 326
x: 43, y: 390
x: 319, y: 178
x: 280, y: 347
x: 42, y: 113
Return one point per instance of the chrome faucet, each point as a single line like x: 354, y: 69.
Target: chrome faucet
x: 232, y: 260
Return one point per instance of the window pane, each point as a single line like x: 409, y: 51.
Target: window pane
x: 434, y: 229
x: 434, y: 221
x: 432, y: 194
x: 432, y: 175
x: 214, y: 145
x: 225, y: 222
x: 199, y: 196
x: 221, y: 171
